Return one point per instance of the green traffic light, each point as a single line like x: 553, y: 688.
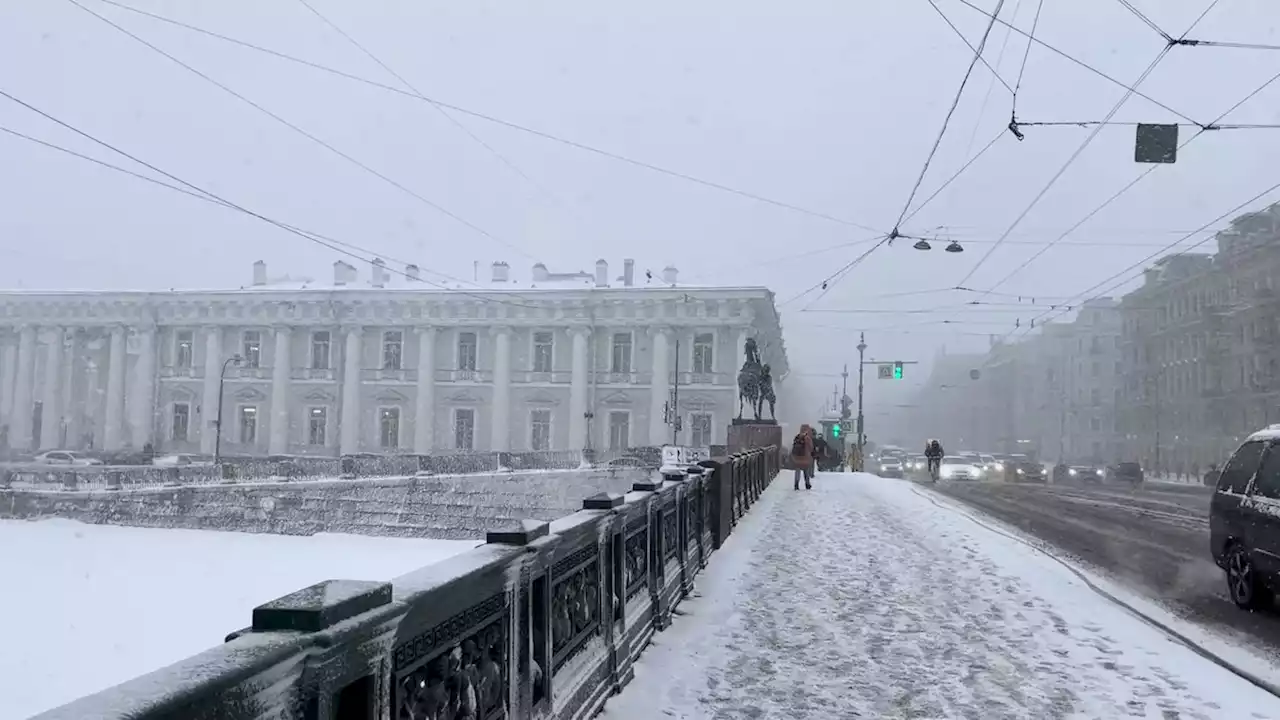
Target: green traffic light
x: 835, y: 431
x: 897, y: 371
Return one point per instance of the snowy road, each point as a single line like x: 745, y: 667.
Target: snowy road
x: 864, y: 599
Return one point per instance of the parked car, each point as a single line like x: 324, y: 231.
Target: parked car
x: 955, y: 467
x: 892, y: 467
x: 65, y: 457
x: 1244, y: 520
x: 182, y: 460
x: 1125, y: 472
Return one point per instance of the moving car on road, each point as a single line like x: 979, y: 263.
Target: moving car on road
x: 892, y: 467
x: 182, y: 460
x: 1244, y: 520
x: 1125, y: 472
x: 1025, y: 469
x: 955, y: 467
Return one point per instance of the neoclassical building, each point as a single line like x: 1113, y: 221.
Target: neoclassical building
x: 557, y: 361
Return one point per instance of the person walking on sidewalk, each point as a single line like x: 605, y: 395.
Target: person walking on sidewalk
x: 802, y: 455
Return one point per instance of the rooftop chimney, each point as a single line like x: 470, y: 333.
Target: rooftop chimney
x: 260, y: 273
x: 411, y: 272
x: 501, y: 272
x: 670, y: 274
x: 628, y: 272
x: 602, y: 273
x: 343, y: 274
x: 540, y: 273
x: 379, y: 277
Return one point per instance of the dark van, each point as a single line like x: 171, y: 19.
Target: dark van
x: 1244, y: 520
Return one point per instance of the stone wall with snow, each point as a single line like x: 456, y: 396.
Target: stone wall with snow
x: 447, y: 507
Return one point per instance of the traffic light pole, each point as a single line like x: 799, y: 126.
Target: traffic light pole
x: 862, y: 348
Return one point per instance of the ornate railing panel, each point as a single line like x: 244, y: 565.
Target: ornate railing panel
x: 512, y: 629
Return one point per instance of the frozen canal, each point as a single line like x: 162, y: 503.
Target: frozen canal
x: 89, y: 606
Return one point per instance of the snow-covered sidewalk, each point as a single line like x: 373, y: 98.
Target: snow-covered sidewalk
x: 864, y: 599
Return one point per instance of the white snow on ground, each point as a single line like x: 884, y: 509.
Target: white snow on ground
x: 863, y: 599
x: 90, y: 606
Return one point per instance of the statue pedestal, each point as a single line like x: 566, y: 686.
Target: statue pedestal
x: 745, y: 434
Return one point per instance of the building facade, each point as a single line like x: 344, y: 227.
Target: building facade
x: 561, y: 361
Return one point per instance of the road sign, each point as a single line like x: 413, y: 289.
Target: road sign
x: 885, y: 371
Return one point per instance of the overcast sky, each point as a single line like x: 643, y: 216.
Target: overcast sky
x: 830, y: 106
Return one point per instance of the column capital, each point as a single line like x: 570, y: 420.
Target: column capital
x: 656, y: 330
x: 348, y: 328
x: 583, y: 330
x: 282, y: 328
x: 496, y: 330
x: 425, y: 329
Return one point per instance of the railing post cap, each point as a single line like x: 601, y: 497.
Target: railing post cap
x: 523, y: 534
x: 603, y: 501
x: 321, y: 606
x: 647, y: 486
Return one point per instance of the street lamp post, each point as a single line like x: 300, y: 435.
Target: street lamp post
x: 217, y: 421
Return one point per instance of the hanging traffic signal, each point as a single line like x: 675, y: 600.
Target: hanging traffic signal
x: 897, y: 371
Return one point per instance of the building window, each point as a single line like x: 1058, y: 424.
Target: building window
x: 700, y: 429
x: 704, y: 353
x: 619, y: 429
x: 252, y: 355
x: 184, y: 343
x: 320, y: 350
x: 1095, y: 424
x: 389, y: 428
x: 392, y: 349
x: 181, y: 421
x: 540, y: 430
x: 464, y: 429
x: 621, y: 360
x: 318, y: 426
x: 543, y: 343
x: 467, y: 352
x: 248, y: 424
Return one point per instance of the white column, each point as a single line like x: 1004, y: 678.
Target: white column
x: 51, y: 398
x: 212, y: 383
x: 23, y: 392
x: 659, y: 431
x: 500, y: 438
x: 8, y: 371
x: 142, y: 395
x: 113, y: 436
x: 578, y: 390
x: 73, y: 388
x: 424, y: 412
x: 281, y: 370
x: 350, y: 436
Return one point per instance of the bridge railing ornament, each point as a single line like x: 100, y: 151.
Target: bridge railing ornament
x: 545, y: 620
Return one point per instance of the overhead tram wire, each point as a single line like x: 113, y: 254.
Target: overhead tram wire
x: 825, y: 282
x: 313, y: 138
x: 1146, y: 20
x: 436, y: 106
x: 991, y: 86
x: 994, y: 73
x: 977, y: 55
x: 1092, y: 291
x: 1022, y: 70
x: 953, y: 178
x: 217, y: 199
x: 1082, y: 64
x: 711, y: 184
x: 1106, y: 203
x: 1062, y: 170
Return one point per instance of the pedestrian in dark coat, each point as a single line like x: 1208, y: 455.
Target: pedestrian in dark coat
x: 802, y: 455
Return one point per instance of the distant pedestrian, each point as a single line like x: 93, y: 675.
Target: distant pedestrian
x: 820, y: 453
x: 802, y: 456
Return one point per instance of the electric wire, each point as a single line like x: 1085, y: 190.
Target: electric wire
x: 1022, y: 69
x: 215, y: 197
x: 1081, y: 63
x: 1062, y: 170
x: 1149, y: 23
x: 991, y: 86
x: 953, y: 177
x: 994, y: 73
x: 711, y: 184
x: 977, y: 55
x: 1115, y: 196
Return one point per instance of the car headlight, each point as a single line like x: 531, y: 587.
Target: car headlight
x: 1021, y: 471
x: 884, y: 468
x: 1072, y: 471
x: 999, y: 466
x: 1097, y: 472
